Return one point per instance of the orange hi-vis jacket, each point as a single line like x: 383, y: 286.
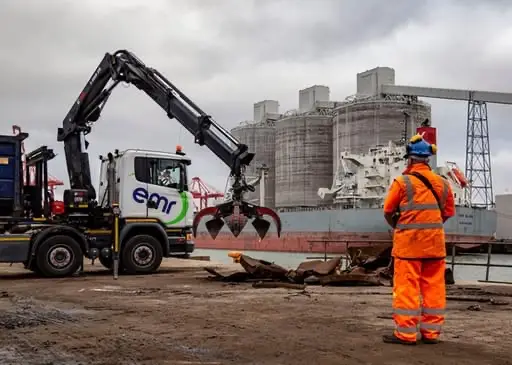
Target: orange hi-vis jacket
x: 419, y: 232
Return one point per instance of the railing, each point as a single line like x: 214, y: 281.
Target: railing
x: 366, y: 244
x: 487, y: 265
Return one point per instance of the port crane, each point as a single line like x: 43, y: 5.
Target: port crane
x: 200, y: 190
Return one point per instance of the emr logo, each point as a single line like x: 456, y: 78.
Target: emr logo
x: 141, y: 196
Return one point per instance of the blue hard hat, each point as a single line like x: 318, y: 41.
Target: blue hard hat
x: 417, y: 146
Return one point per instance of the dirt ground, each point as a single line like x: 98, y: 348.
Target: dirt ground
x: 179, y: 317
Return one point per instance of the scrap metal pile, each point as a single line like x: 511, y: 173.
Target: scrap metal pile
x: 361, y: 269
x: 364, y: 267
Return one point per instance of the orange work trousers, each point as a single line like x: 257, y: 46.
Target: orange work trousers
x: 412, y: 278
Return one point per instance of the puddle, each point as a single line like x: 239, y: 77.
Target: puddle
x: 108, y: 288
x: 121, y: 290
x: 193, y: 350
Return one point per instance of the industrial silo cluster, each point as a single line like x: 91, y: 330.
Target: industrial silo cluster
x: 300, y: 148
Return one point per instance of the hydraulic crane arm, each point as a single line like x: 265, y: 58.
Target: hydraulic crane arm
x: 124, y: 66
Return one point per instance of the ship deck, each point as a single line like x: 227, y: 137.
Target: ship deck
x: 178, y: 317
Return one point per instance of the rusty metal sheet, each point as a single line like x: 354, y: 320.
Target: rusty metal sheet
x: 262, y: 269
x: 370, y: 271
x: 318, y: 267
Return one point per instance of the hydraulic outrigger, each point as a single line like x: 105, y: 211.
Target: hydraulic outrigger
x: 124, y: 66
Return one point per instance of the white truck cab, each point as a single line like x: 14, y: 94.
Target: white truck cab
x: 150, y: 184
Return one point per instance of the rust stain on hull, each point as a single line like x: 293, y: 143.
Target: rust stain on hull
x: 316, y: 242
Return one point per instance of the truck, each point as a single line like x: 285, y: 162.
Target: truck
x: 142, y: 211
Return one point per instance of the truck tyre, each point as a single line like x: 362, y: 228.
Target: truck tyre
x: 58, y: 256
x: 142, y: 254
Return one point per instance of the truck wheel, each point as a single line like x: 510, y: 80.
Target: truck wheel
x: 142, y: 254
x: 58, y: 256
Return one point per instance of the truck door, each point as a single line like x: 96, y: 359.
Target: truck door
x: 167, y: 200
x: 135, y: 192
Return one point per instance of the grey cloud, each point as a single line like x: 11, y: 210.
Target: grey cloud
x: 66, y: 38
x: 306, y: 31
x: 59, y: 44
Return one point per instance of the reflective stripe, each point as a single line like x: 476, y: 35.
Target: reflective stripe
x: 444, y: 196
x: 409, y: 189
x: 411, y: 205
x: 406, y: 329
x: 415, y: 206
x: 406, y: 312
x: 430, y: 326
x: 419, y: 225
x: 434, y: 311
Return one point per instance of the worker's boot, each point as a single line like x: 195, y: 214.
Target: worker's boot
x: 429, y: 341
x: 393, y: 339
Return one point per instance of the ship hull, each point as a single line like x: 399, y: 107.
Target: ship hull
x: 307, y: 242
x: 333, y: 231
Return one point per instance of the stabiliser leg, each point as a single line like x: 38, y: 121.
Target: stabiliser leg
x: 116, y: 244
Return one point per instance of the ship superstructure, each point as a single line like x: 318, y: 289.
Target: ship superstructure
x: 363, y: 179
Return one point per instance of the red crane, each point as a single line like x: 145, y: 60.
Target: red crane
x: 203, y: 192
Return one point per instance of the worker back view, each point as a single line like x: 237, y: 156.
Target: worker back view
x: 418, y: 203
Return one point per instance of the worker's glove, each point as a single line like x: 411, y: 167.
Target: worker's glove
x: 395, y: 218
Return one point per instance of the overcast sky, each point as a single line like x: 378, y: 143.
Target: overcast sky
x: 228, y: 54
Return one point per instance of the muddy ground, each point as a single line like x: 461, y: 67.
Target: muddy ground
x: 179, y: 317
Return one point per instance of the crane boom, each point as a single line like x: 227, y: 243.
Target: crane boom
x: 124, y: 66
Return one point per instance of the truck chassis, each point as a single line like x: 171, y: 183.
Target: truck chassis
x: 55, y: 249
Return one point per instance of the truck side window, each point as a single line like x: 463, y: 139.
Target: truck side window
x: 161, y: 172
x: 142, y: 171
x: 168, y: 174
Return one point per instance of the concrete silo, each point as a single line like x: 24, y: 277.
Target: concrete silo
x: 359, y: 125
x: 259, y: 136
x: 368, y: 120
x: 304, y: 152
